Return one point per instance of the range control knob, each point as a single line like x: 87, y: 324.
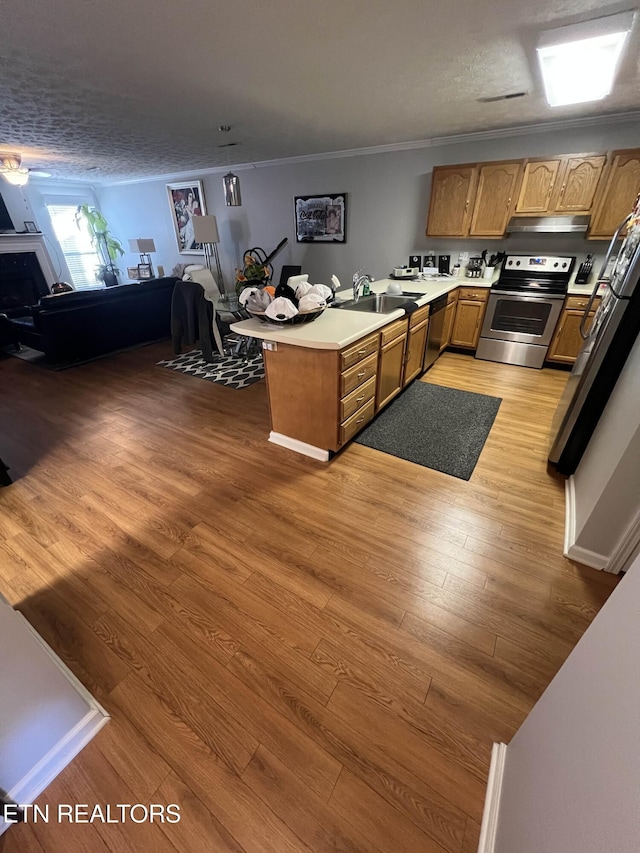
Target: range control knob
x: 563, y: 266
x: 556, y: 264
x: 517, y: 263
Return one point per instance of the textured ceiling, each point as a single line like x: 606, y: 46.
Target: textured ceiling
x: 109, y: 91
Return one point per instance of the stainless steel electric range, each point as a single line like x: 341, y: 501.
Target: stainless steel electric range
x: 523, y: 309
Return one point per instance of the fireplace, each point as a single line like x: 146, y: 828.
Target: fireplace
x: 21, y: 281
x: 26, y: 271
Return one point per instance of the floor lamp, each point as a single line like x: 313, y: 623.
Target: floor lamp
x: 205, y: 231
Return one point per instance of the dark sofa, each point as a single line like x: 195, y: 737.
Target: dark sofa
x: 84, y: 324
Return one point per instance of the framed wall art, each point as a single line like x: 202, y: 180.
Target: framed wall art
x: 186, y: 200
x: 132, y: 273
x: 321, y: 219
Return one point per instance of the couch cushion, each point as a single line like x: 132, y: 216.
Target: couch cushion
x: 82, y: 298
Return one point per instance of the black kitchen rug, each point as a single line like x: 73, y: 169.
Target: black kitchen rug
x: 232, y: 371
x: 440, y: 428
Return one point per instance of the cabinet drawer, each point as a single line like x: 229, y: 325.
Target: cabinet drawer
x: 418, y: 316
x: 581, y: 302
x: 477, y: 294
x: 392, y: 331
x: 358, y: 374
x: 357, y: 420
x: 452, y: 296
x: 357, y: 398
x: 357, y: 352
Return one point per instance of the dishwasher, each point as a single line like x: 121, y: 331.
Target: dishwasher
x: 434, y: 333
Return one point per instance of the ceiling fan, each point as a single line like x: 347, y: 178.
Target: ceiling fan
x: 15, y: 173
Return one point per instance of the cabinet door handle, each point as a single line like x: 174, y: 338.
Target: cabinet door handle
x: 466, y: 205
x: 361, y: 374
x: 359, y: 399
x: 360, y: 420
x: 362, y: 352
x: 562, y: 189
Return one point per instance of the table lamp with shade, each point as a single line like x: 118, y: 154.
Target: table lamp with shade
x: 144, y: 246
x: 205, y: 230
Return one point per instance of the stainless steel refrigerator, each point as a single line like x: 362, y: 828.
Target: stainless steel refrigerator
x: 606, y: 347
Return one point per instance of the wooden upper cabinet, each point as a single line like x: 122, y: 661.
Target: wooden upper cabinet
x: 577, y: 183
x: 619, y: 192
x: 494, y: 198
x: 452, y: 194
x: 538, y: 181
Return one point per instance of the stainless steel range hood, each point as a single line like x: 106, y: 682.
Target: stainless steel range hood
x: 548, y: 224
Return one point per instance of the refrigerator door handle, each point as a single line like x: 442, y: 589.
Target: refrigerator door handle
x: 583, y: 333
x: 594, y: 292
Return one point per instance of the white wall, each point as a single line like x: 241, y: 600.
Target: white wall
x: 607, y: 480
x: 572, y: 771
x: 387, y: 197
x: 17, y: 204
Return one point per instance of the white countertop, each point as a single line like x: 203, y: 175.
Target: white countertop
x: 338, y: 327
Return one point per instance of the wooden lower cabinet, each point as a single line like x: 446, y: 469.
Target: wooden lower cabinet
x: 472, y: 302
x: 447, y: 329
x: 567, y: 340
x: 416, y: 344
x: 391, y: 369
x: 357, y: 421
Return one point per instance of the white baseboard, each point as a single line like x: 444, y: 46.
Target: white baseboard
x: 299, y: 446
x: 489, y: 828
x: 571, y: 550
x: 586, y: 557
x: 569, y: 514
x: 33, y: 783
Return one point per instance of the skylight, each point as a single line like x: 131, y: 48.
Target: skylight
x: 579, y: 62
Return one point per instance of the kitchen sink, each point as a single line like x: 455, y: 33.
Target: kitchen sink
x: 377, y: 303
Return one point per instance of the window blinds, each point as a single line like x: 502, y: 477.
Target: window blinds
x: 81, y: 257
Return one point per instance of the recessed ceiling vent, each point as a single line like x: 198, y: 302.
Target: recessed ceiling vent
x: 508, y: 97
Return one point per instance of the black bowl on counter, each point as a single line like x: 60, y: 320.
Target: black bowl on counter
x: 306, y: 317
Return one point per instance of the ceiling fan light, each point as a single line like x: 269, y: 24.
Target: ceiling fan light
x: 16, y: 177
x: 579, y: 62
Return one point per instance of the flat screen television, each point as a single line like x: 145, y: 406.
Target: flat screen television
x: 5, y: 220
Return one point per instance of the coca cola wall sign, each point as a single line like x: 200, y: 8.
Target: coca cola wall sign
x: 321, y: 219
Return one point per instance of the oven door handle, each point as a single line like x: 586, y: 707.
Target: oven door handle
x: 523, y: 294
x: 583, y: 334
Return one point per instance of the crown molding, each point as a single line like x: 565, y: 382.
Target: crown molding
x: 434, y: 142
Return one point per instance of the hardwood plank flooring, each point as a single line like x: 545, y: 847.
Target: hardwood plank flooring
x: 304, y: 657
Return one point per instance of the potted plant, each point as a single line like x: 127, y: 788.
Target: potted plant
x: 254, y: 272
x: 107, y: 247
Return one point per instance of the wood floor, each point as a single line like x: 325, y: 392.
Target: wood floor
x: 302, y: 656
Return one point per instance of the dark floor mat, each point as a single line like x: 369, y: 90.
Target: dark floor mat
x: 440, y: 428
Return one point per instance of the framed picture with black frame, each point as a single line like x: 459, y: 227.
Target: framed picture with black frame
x: 321, y: 219
x: 186, y: 200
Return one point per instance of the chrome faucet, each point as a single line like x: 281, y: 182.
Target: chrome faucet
x: 358, y: 279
